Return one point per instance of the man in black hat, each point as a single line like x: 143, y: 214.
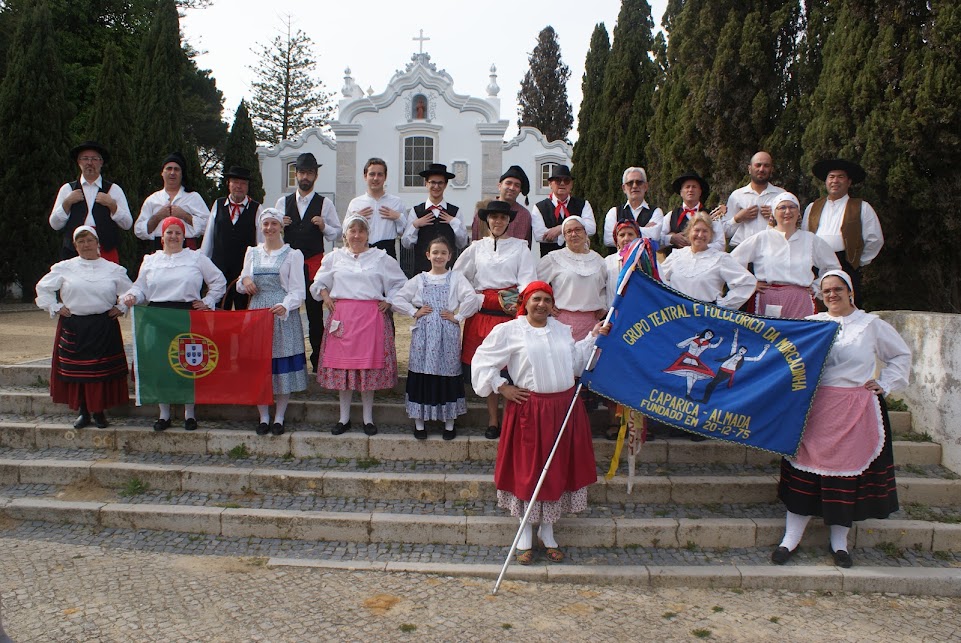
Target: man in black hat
x: 309, y: 218
x: 233, y: 228
x: 175, y: 199
x: 693, y: 190
x: 434, y: 218
x: 551, y: 212
x: 512, y: 183
x: 91, y: 200
x: 637, y: 209
x: 850, y: 226
x: 384, y: 211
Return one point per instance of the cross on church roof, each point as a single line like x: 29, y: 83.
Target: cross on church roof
x: 421, y: 38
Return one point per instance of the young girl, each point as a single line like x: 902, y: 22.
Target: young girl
x: 435, y: 388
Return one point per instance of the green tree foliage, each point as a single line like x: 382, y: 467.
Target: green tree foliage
x: 287, y: 98
x: 205, y: 128
x: 34, y: 142
x: 542, y: 99
x: 589, y: 172
x: 242, y: 150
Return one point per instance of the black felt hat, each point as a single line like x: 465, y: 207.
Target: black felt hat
x: 496, y: 207
x: 854, y: 171
x: 90, y: 145
x: 237, y: 172
x: 692, y: 176
x: 517, y: 172
x: 306, y: 162
x: 560, y: 172
x: 437, y: 169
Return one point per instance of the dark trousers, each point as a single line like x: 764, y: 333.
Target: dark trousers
x: 233, y: 300
x: 855, y: 276
x: 315, y: 323
x: 387, y: 245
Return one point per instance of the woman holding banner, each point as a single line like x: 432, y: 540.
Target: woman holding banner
x: 542, y: 360
x: 173, y: 278
x: 844, y: 469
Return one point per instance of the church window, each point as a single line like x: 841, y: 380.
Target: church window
x: 292, y: 175
x: 546, y: 170
x: 418, y: 154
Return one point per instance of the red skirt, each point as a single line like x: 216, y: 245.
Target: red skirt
x: 89, y: 366
x: 527, y: 437
x: 479, y: 326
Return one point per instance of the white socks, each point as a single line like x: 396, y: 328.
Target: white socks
x: 839, y: 537
x: 419, y: 424
x: 546, y: 533
x: 281, y: 401
x: 264, y: 413
x: 448, y: 425
x: 189, y: 411
x: 164, y: 411
x: 527, y: 537
x: 794, y: 529
x: 345, y: 398
x: 367, y: 400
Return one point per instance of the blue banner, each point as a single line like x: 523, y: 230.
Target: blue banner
x: 717, y: 372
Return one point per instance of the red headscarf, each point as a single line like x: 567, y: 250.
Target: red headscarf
x: 169, y: 221
x: 626, y: 224
x: 532, y: 287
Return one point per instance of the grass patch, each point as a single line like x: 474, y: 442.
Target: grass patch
x: 408, y: 627
x: 895, y: 404
x: 288, y: 457
x: 717, y: 608
x: 775, y: 619
x: 239, y: 452
x: 701, y: 633
x: 691, y: 546
x: 918, y: 511
x: 941, y: 555
x: 915, y: 469
x: 367, y: 463
x: 669, y: 615
x: 227, y: 505
x: 133, y: 487
x: 889, y: 549
x: 506, y: 626
x: 341, y: 460
x: 912, y: 436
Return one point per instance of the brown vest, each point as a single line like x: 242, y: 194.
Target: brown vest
x: 850, y: 228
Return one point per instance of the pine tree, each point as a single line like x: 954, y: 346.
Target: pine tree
x: 588, y: 170
x: 242, y: 150
x: 35, y: 143
x: 542, y: 99
x: 287, y: 99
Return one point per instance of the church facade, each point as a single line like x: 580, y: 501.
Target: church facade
x: 417, y: 120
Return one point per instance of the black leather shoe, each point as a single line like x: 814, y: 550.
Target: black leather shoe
x: 420, y: 434
x: 781, y: 555
x: 82, y: 420
x: 842, y: 559
x: 492, y: 432
x: 340, y: 427
x: 263, y: 428
x: 450, y: 434
x: 277, y: 428
x: 161, y: 425
x: 370, y: 429
x: 100, y: 420
x: 190, y: 424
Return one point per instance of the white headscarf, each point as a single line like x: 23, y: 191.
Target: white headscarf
x: 270, y: 213
x: 85, y: 228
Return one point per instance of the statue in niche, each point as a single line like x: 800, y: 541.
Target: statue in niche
x: 420, y: 108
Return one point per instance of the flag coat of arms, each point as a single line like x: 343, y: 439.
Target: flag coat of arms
x: 202, y: 357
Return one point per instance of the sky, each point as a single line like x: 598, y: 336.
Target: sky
x: 374, y: 38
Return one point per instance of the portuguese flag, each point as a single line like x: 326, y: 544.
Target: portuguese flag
x: 202, y: 357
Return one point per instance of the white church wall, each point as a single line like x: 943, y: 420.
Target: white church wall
x: 274, y: 162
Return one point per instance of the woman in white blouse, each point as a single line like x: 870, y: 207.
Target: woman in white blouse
x: 172, y: 278
x: 89, y: 368
x: 542, y: 360
x: 498, y: 267
x: 357, y: 352
x: 273, y: 274
x: 784, y: 259
x: 702, y: 272
x: 844, y: 469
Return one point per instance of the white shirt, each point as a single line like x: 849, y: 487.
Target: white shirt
x: 381, y: 229
x: 122, y: 217
x: 538, y: 226
x: 178, y: 277
x: 328, y: 212
x: 718, y: 242
x: 740, y: 199
x: 579, y: 280
x: 461, y: 236
x: 511, y: 265
x: 461, y: 296
x: 191, y: 202
x: 542, y: 360
x: 780, y: 260
x: 86, y: 286
x: 291, y: 273
x: 829, y: 227
x: 651, y: 231
x: 703, y: 275
x: 863, y: 340
x: 207, y: 246
x: 373, y: 275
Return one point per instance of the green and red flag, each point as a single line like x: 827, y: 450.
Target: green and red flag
x: 202, y: 357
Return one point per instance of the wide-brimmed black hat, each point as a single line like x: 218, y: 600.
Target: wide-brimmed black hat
x: 437, y: 169
x: 517, y: 172
x: 306, y: 162
x: 692, y: 176
x: 237, y: 172
x: 560, y: 172
x: 90, y: 145
x: 854, y: 171
x: 496, y: 207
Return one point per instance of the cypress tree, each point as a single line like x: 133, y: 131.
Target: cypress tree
x: 242, y: 150
x: 589, y: 170
x: 542, y: 99
x: 35, y: 143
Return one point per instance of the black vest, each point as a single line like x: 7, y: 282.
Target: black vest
x: 302, y: 234
x: 231, y: 240
x: 624, y: 213
x: 107, y: 229
x: 575, y: 206
x: 430, y: 232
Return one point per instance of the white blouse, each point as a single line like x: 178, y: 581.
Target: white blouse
x: 370, y: 275
x: 542, y: 360
x: 579, y: 280
x: 86, y: 286
x: 862, y: 341
x: 461, y: 296
x: 511, y: 265
x: 703, y: 275
x: 291, y: 273
x: 780, y: 260
x: 178, y: 277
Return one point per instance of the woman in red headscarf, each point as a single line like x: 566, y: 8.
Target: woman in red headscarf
x: 542, y: 360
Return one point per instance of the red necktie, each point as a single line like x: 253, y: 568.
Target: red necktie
x: 560, y: 211
x: 687, y: 215
x: 235, y: 209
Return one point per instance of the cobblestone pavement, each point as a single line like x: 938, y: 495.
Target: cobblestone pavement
x: 62, y: 591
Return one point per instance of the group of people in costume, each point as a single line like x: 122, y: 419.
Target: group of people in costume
x: 529, y: 325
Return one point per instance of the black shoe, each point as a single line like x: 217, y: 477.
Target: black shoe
x: 370, y: 429
x: 263, y: 428
x: 340, y: 427
x: 161, y: 425
x: 492, y: 432
x: 450, y: 434
x: 82, y: 420
x: 100, y: 420
x: 781, y: 555
x: 420, y: 434
x: 842, y: 559
x: 190, y: 424
x: 277, y: 428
